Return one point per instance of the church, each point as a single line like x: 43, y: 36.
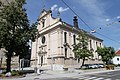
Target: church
x: 54, y: 42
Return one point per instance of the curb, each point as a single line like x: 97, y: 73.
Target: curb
x: 104, y: 71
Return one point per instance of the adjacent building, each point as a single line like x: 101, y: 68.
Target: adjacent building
x: 55, y: 39
x: 116, y: 59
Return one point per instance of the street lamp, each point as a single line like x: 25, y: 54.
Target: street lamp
x: 37, y: 35
x: 52, y: 61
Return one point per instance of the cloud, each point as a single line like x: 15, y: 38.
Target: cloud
x: 107, y: 19
x: 61, y: 9
x: 118, y: 17
x: 54, y: 7
x: 92, y: 7
x: 96, y: 10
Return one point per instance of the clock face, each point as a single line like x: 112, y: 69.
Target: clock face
x: 43, y: 39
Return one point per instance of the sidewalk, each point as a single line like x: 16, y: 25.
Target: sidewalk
x: 67, y: 74
x: 61, y: 74
x: 100, y: 70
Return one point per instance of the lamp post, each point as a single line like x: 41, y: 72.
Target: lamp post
x: 52, y: 62
x: 36, y: 52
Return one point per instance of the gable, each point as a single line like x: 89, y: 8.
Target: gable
x: 46, y: 20
x: 118, y: 52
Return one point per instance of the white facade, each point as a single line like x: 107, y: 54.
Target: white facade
x: 55, y: 40
x: 116, y: 60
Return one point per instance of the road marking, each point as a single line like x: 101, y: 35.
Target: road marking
x: 83, y: 78
x: 92, y: 78
x: 108, y: 79
x: 99, y: 79
x: 79, y: 77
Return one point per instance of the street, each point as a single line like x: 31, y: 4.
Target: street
x: 110, y: 75
x: 114, y: 75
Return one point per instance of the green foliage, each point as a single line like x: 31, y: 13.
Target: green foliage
x: 108, y: 67
x: 13, y: 73
x: 16, y: 73
x: 15, y: 31
x: 107, y: 53
x: 81, y: 48
x: 2, y: 75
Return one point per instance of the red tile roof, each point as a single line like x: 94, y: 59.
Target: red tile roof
x: 118, y: 52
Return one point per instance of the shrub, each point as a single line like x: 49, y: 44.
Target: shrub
x: 16, y: 73
x: 2, y: 75
x: 108, y: 67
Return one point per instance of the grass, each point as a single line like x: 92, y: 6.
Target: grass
x: 13, y: 73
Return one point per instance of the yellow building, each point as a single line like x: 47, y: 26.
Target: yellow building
x: 55, y: 40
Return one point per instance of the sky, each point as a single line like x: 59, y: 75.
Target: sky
x: 100, y: 15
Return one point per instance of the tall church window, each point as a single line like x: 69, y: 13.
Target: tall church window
x: 65, y: 37
x: 41, y: 60
x: 66, y: 52
x: 100, y: 44
x: 74, y: 39
x: 43, y: 40
x: 90, y: 44
x: 43, y: 22
x: 96, y: 44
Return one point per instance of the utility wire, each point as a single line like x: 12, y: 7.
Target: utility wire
x: 86, y: 23
x: 108, y: 37
x: 76, y: 14
x: 43, y: 2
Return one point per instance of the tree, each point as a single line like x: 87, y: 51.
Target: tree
x: 15, y: 30
x: 106, y: 53
x: 81, y: 48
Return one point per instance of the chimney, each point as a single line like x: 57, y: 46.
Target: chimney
x: 75, y: 20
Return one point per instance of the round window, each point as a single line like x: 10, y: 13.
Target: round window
x: 43, y: 39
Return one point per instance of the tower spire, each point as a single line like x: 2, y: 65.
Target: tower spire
x: 58, y: 14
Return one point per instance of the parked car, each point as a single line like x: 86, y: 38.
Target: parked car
x: 97, y: 65
x: 85, y: 66
x: 101, y: 65
x: 93, y: 66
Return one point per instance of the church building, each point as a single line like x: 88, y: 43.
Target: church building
x: 55, y: 39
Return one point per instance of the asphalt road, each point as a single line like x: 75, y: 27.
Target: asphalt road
x: 114, y: 75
